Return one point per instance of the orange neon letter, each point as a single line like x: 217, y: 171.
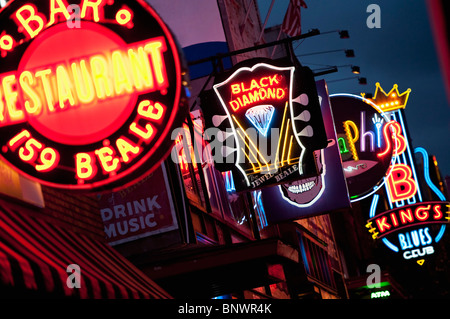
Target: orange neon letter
x: 400, y: 183
x: 49, y: 158
x: 235, y: 88
x: 156, y: 49
x: 140, y: 67
x: 102, y: 82
x: 125, y: 146
x: 382, y: 224
x: 350, y: 138
x: 58, y: 7
x: 122, y: 81
x: 406, y: 216
x: 64, y: 87
x: 139, y: 132
x: 9, y: 82
x: 85, y: 167
x: 18, y: 139
x: 44, y: 76
x: 96, y: 6
x: 107, y: 160
x: 83, y: 83
x: 28, y: 153
x: 2, y: 109
x: 422, y: 212
x: 147, y: 109
x: 26, y: 81
x: 31, y: 22
x: 437, y: 212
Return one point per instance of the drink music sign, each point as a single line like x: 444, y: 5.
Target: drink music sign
x: 89, y: 91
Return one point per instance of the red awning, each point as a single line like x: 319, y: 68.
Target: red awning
x: 34, y: 256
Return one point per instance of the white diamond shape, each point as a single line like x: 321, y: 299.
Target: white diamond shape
x: 261, y: 116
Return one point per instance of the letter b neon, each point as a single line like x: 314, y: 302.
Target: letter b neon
x: 400, y: 183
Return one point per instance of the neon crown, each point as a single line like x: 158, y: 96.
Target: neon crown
x: 389, y: 101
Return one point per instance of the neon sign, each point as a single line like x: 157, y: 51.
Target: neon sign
x: 396, y: 219
x: 380, y: 294
x: 411, y: 226
x: 367, y: 140
x: 310, y: 196
x: 87, y: 104
x: 401, y: 185
x: 271, y: 110
x: 258, y: 90
x: 394, y: 100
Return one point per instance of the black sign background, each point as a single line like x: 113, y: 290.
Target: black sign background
x: 349, y: 108
x: 303, y: 83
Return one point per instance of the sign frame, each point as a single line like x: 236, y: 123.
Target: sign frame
x: 250, y: 78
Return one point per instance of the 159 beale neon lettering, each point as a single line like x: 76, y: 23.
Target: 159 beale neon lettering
x: 87, y: 107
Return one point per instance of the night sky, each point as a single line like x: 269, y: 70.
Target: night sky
x: 401, y: 52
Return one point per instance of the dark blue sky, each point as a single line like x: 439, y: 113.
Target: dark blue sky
x: 401, y: 52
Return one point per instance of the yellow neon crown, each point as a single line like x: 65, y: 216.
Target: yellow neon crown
x: 389, y: 101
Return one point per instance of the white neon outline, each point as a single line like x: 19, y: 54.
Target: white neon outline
x: 251, y: 69
x: 433, y: 187
x: 386, y: 118
x: 441, y: 233
x: 390, y: 245
x: 319, y: 195
x: 426, y: 172
x: 373, y: 205
x: 296, y: 135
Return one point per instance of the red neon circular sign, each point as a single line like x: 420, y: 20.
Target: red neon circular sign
x: 91, y: 91
x: 92, y: 121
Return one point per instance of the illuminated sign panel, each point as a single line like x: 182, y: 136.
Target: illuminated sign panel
x: 409, y: 216
x: 144, y: 209
x: 380, y: 294
x: 367, y: 140
x: 90, y: 91
x: 412, y: 230
x: 320, y: 194
x: 270, y: 112
x: 411, y: 226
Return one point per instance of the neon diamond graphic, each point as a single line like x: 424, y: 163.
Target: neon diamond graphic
x: 261, y: 116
